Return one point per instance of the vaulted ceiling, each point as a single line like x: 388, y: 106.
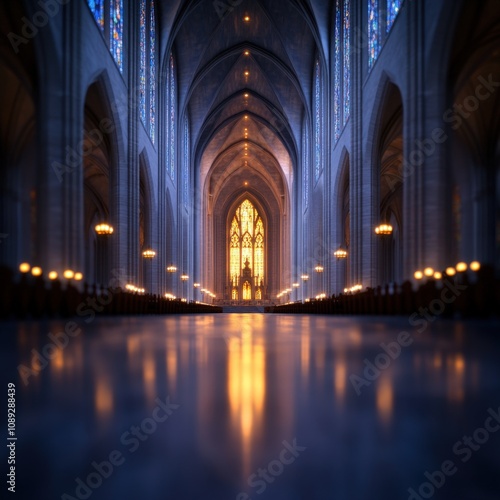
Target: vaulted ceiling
x: 244, y: 70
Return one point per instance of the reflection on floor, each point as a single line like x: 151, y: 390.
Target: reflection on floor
x: 253, y: 406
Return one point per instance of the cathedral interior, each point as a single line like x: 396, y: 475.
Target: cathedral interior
x: 250, y: 248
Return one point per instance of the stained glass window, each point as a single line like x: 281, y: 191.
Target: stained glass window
x: 305, y: 153
x: 185, y: 174
x: 337, y: 84
x: 152, y: 71
x: 97, y: 8
x: 172, y: 107
x: 317, y: 122
x: 347, y: 59
x: 246, y: 243
x: 373, y: 32
x: 116, y: 31
x: 142, y: 63
x: 393, y: 8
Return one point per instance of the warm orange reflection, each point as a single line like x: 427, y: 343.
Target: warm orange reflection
x: 246, y: 385
x: 340, y: 378
x: 171, y: 365
x: 58, y: 360
x: 385, y: 399
x: 305, y: 349
x: 149, y: 376
x: 455, y: 377
x: 103, y: 398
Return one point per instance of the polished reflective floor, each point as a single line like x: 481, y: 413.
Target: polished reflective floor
x: 240, y: 406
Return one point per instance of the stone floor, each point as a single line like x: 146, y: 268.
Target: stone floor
x: 240, y: 406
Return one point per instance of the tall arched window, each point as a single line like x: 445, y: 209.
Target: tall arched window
x: 172, y: 104
x: 337, y: 81
x: 305, y: 166
x: 393, y: 8
x: 373, y: 32
x: 317, y: 121
x: 97, y: 8
x: 110, y: 20
x: 185, y: 172
x: 152, y: 71
x: 116, y: 31
x: 246, y: 243
x: 347, y: 59
x: 147, y: 67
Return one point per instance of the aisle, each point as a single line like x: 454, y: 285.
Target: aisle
x: 239, y: 406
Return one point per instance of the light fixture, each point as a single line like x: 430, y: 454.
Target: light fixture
x: 245, y: 95
x: 428, y: 271
x: 295, y: 285
x: 340, y: 253
x: 247, y: 73
x: 451, y: 271
x: 304, y: 277
x: 475, y: 266
x: 104, y: 229
x: 171, y: 269
x: 184, y: 277
x: 438, y: 275
x: 461, y: 267
x: 36, y: 271
x: 196, y: 285
x: 24, y: 267
x: 78, y: 276
x: 52, y: 275
x: 149, y: 254
x: 384, y: 229
x: 247, y: 52
x: 69, y: 274
x: 319, y: 269
x: 246, y: 18
x: 418, y: 275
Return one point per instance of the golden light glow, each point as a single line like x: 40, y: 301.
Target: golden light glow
x: 475, y: 266
x: 451, y: 271
x: 428, y: 271
x: 438, y: 275
x: 247, y: 73
x: 246, y: 95
x: 461, y: 267
x: 103, y: 398
x: 104, y: 229
x: 52, y: 275
x: 319, y: 269
x: 246, y: 19
x: 171, y: 268
x: 304, y: 277
x: 69, y: 274
x: 418, y: 275
x: 149, y: 254
x: 340, y: 253
x: 36, y: 271
x: 247, y: 52
x: 246, y: 243
x: 78, y: 276
x: 384, y: 229
x: 24, y: 267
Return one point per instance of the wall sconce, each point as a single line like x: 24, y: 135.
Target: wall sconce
x: 149, y: 254
x: 384, y: 230
x: 104, y: 229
